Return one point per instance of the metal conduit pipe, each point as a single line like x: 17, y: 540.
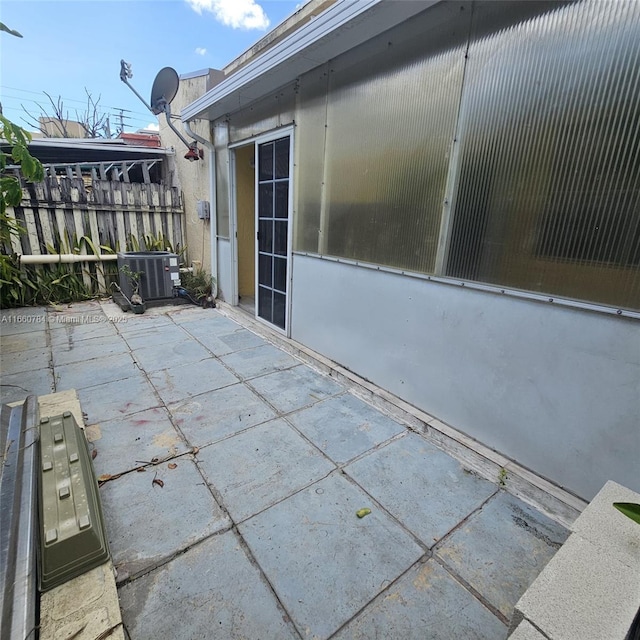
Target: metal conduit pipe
x: 19, y: 436
x: 212, y: 201
x: 66, y: 258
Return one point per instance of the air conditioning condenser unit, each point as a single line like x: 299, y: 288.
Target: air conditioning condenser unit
x: 159, y: 270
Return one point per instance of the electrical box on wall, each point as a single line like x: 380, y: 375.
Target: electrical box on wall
x: 203, y: 209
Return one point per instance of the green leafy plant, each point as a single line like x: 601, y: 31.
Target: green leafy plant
x: 15, y: 288
x: 149, y: 242
x: 134, y: 278
x: 629, y: 509
x: 198, y: 283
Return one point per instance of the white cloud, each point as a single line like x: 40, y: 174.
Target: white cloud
x: 237, y: 14
x: 153, y: 126
x: 201, y: 51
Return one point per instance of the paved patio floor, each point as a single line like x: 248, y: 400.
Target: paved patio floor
x: 263, y: 462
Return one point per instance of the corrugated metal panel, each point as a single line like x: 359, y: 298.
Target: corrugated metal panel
x: 387, y: 154
x: 221, y: 141
x: 18, y: 528
x: 311, y: 118
x: 273, y: 111
x: 340, y: 27
x: 548, y: 181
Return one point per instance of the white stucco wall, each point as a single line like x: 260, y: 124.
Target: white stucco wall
x: 555, y: 388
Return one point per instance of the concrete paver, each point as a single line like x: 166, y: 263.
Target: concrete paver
x: 72, y: 350
x: 228, y: 600
x: 345, y: 426
x: 207, y: 324
x: 325, y: 563
x: 29, y: 360
x: 295, y: 388
x: 148, y: 523
x: 16, y: 387
x: 22, y: 321
x: 241, y: 339
x: 64, y: 333
x: 163, y: 355
x: 114, y: 399
x: 253, y: 439
x: 209, y: 331
x: 257, y: 361
x: 217, y: 414
x: 83, y: 608
x: 426, y: 489
x: 250, y: 473
x: 97, y: 371
x: 501, y: 549
x: 125, y: 443
x: 425, y: 603
x: 153, y: 336
x: 17, y: 342
x: 192, y: 379
x: 143, y: 322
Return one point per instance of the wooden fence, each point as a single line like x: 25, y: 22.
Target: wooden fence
x: 75, y: 203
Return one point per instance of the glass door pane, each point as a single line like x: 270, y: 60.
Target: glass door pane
x: 273, y: 230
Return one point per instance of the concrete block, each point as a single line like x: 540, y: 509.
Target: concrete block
x: 54, y: 404
x: 584, y: 593
x: 83, y: 608
x: 605, y: 527
x: 526, y: 631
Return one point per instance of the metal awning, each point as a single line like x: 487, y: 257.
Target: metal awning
x: 343, y: 26
x: 72, y: 150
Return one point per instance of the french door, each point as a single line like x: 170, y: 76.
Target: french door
x: 273, y: 183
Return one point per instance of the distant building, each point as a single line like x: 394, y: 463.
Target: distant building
x: 56, y: 128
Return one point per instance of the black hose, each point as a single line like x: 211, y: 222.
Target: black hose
x: 181, y: 292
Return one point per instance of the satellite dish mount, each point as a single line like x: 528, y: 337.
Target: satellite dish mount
x: 163, y: 91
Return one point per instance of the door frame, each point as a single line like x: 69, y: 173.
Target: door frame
x: 274, y: 134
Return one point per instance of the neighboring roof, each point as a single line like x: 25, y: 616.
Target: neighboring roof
x: 150, y: 139
x: 195, y: 74
x: 341, y: 27
x: 71, y: 150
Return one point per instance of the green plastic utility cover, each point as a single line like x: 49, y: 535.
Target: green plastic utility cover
x: 72, y: 537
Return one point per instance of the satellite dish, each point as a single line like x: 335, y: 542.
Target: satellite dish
x: 164, y: 89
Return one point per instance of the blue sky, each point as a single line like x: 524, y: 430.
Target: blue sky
x: 70, y: 45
